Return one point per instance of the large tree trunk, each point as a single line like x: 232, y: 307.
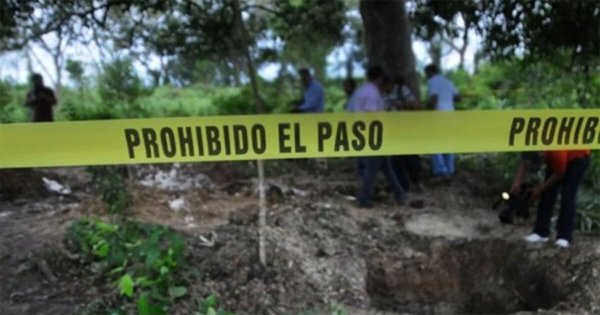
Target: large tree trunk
x: 387, y: 38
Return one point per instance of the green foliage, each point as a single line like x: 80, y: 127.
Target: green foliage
x: 126, y: 285
x: 209, y: 306
x: 488, y: 174
x: 5, y: 93
x: 335, y: 98
x: 143, y: 261
x: 110, y: 182
x: 12, y: 100
x: 476, y: 93
x: 536, y: 29
x: 515, y: 84
x: 588, y: 209
x: 588, y: 212
x: 76, y: 72
x: 119, y: 83
x: 235, y: 101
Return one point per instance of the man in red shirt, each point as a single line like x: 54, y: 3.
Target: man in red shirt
x: 565, y: 171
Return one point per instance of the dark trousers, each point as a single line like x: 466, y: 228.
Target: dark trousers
x: 408, y: 170
x: 568, y: 186
x: 368, y: 168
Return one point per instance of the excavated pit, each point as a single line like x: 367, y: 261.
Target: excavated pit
x: 474, y: 277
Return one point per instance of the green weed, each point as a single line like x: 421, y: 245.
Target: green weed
x: 209, y: 306
x: 110, y: 182
x: 142, y: 261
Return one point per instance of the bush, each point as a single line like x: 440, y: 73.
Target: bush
x: 143, y: 261
x: 234, y: 101
x: 12, y: 103
x: 110, y: 182
x: 210, y: 306
x: 119, y: 83
x: 589, y: 203
x: 170, y: 101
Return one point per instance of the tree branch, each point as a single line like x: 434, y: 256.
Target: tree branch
x: 263, y: 8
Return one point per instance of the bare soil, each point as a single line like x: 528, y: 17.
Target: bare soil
x: 450, y: 256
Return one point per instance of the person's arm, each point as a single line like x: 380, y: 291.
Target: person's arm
x: 558, y: 162
x: 30, y: 99
x: 52, y: 98
x: 550, y: 182
x: 518, y: 180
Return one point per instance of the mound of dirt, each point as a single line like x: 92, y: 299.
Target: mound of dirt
x: 308, y: 264
x: 22, y: 184
x: 319, y: 254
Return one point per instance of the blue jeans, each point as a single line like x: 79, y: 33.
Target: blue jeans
x: 368, y: 168
x: 568, y: 187
x: 442, y: 164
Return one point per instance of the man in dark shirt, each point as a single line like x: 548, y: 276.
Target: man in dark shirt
x: 40, y: 99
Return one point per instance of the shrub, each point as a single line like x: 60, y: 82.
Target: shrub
x: 143, y: 261
x: 119, y: 83
x: 110, y: 182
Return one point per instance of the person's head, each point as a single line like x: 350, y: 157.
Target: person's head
x: 349, y: 86
x: 431, y: 70
x: 37, y: 81
x: 305, y: 76
x: 375, y: 75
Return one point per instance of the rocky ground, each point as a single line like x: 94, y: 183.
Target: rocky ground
x: 442, y: 253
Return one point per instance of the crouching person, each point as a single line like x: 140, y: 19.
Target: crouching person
x: 565, y: 171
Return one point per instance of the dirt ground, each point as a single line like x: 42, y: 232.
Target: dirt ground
x: 443, y: 253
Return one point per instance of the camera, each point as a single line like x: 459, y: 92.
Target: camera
x: 515, y: 204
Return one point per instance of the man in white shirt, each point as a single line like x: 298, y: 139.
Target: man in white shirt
x: 367, y: 98
x: 441, y: 96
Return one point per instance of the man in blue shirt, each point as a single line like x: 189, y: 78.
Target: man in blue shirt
x: 314, y: 96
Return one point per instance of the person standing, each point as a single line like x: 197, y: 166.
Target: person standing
x: 441, y: 97
x: 367, y: 98
x: 313, y: 100
x: 565, y: 171
x: 349, y: 86
x: 407, y: 167
x: 40, y: 99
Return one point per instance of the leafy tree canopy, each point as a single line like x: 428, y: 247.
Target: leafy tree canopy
x: 538, y: 28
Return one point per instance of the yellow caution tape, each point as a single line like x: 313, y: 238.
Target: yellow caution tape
x: 228, y: 138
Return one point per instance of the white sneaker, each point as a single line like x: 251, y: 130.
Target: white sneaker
x: 562, y: 243
x: 535, y: 238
